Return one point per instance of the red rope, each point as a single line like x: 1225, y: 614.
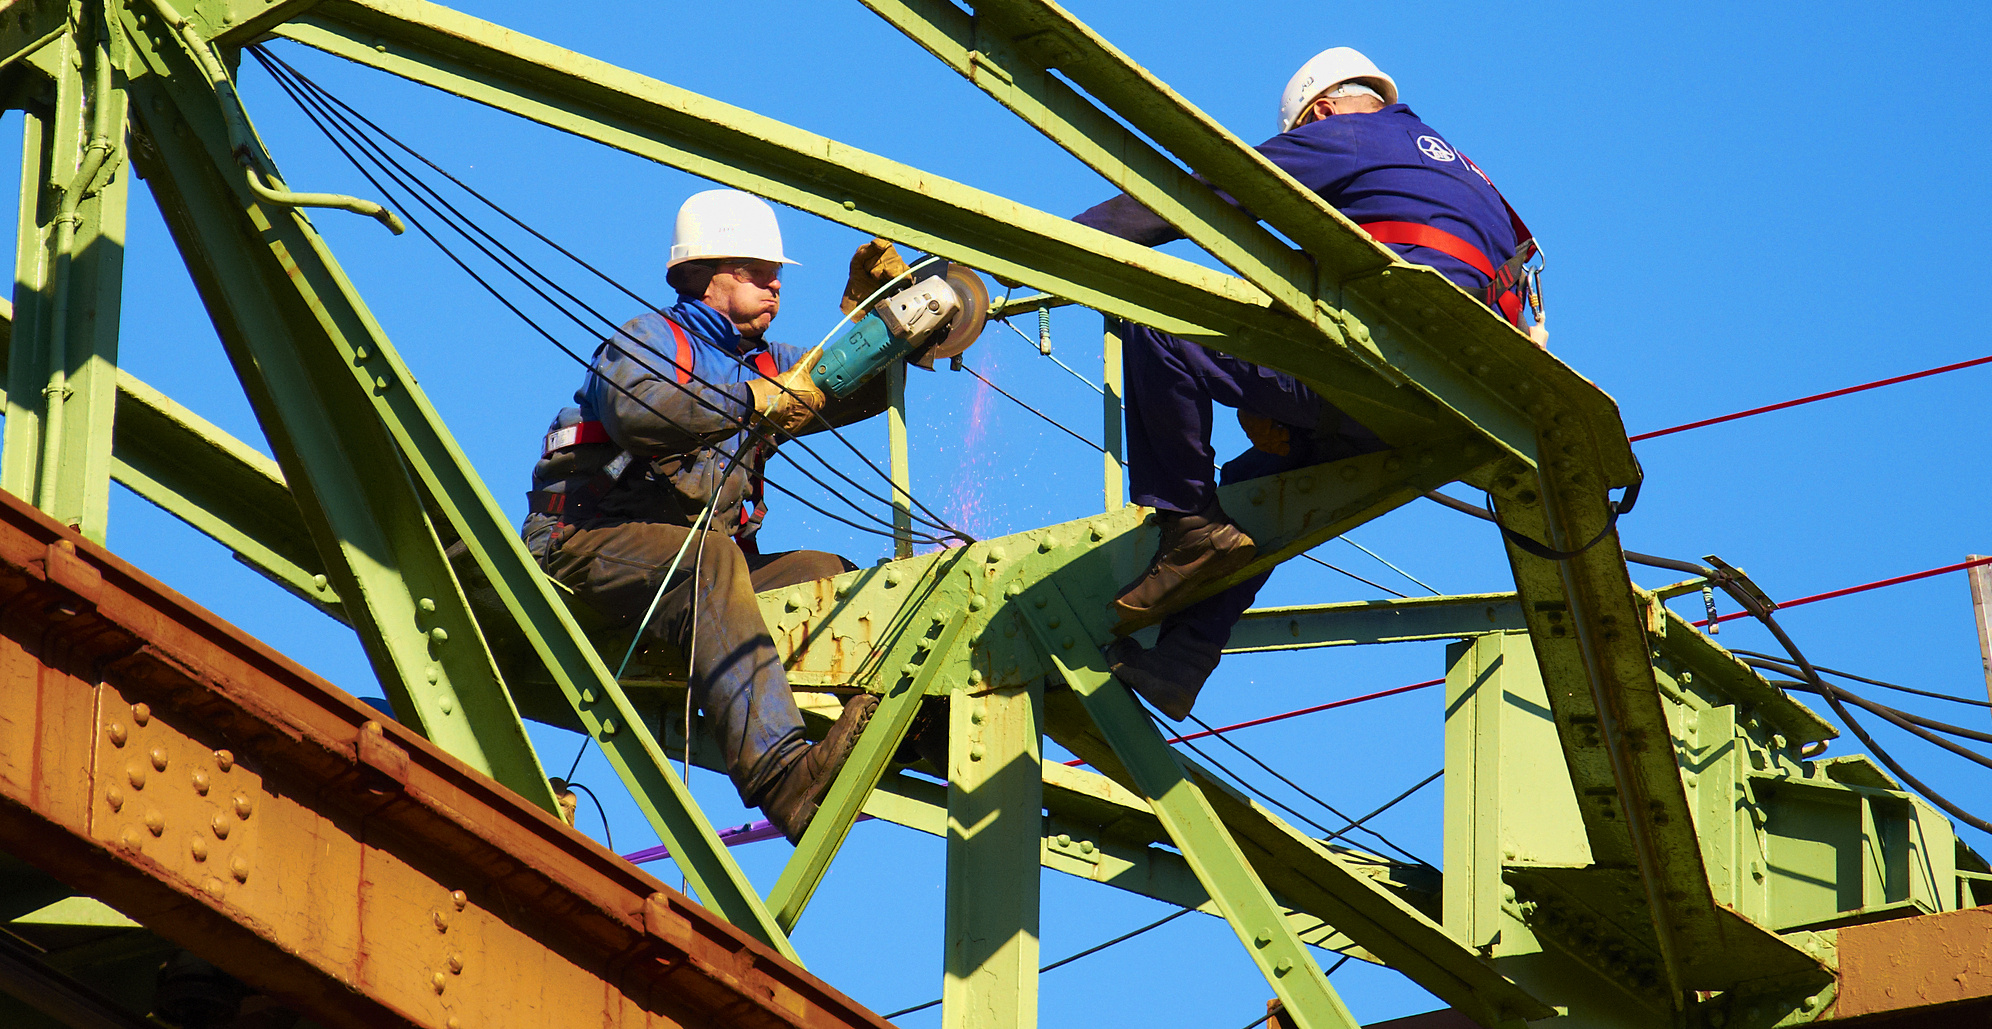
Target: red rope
x: 1807, y: 400
x: 1863, y: 588
x: 1076, y: 762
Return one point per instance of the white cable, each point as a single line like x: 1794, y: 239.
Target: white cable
x: 870, y: 300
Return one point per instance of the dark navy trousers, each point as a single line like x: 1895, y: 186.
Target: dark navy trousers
x: 1172, y: 385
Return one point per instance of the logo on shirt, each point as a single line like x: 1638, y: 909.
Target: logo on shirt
x: 1436, y: 148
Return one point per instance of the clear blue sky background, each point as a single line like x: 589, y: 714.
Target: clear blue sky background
x: 1741, y: 204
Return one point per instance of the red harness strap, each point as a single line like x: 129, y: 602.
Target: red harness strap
x: 684, y: 361
x: 757, y: 486
x: 1500, y: 284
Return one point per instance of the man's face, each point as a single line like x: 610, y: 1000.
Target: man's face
x: 748, y: 293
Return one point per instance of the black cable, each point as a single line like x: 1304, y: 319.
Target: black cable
x: 405, y: 177
x: 1893, y: 717
x: 608, y: 839
x: 271, y: 61
x: 1787, y: 668
x: 1387, y: 805
x: 1055, y: 423
x: 1270, y: 799
x: 1088, y: 952
x: 1876, y: 682
x: 1352, y: 575
x: 1270, y: 1012
x: 1633, y: 556
x: 1297, y: 788
x: 578, y: 755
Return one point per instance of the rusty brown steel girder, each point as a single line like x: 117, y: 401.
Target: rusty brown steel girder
x: 160, y: 760
x: 1907, y: 973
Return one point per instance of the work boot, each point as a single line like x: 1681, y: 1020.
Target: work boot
x: 1196, y: 549
x: 1170, y: 676
x: 791, y: 802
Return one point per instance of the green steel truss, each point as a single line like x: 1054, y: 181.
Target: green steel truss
x: 1632, y: 836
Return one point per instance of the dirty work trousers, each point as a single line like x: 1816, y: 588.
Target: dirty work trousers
x: 1172, y: 384
x: 736, y: 676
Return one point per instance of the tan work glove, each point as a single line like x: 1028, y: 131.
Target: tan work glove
x: 789, y: 400
x: 875, y: 264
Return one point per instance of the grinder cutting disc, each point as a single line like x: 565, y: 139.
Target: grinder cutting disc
x: 974, y: 298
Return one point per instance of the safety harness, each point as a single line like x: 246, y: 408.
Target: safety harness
x: 583, y: 433
x: 1507, y: 286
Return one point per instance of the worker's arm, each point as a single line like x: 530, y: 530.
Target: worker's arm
x: 1319, y: 155
x: 869, y: 399
x: 650, y: 413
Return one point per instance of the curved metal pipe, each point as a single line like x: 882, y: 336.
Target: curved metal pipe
x: 338, y: 201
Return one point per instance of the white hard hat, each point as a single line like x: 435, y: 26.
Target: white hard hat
x: 722, y: 223
x: 1326, y: 70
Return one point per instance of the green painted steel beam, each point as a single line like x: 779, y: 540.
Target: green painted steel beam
x: 330, y: 388
x: 1677, y: 640
x: 214, y: 482
x: 68, y: 282
x: 1187, y: 813
x: 512, y: 72
x: 1374, y: 621
x: 921, y: 650
x: 996, y: 841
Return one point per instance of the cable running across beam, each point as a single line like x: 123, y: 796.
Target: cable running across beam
x: 321, y: 102
x: 1088, y: 952
x: 1862, y: 588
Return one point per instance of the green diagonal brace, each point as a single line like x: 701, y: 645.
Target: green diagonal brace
x: 1192, y: 823
x: 911, y: 665
x: 331, y: 391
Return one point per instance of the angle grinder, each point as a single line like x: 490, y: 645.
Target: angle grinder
x: 937, y: 316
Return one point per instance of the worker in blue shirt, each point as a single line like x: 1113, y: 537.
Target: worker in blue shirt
x: 1345, y: 136
x: 677, y: 415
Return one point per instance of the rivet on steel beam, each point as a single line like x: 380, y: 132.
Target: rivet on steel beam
x: 1014, y: 590
x: 453, y: 1023
x: 135, y: 774
x: 976, y: 752
x: 116, y: 731
x: 360, y: 354
x: 439, y: 634
x: 1257, y: 496
x: 447, y: 703
x: 319, y: 582
x: 243, y: 808
x: 456, y: 963
x: 608, y: 727
x: 1070, y: 643
x: 978, y: 716
x: 457, y: 897
x: 587, y: 696
x: 939, y: 618
x: 1282, y: 967
x: 439, y: 981
x: 1064, y: 840
x: 1052, y: 622
x: 159, y: 758
x: 997, y: 554
x: 238, y: 866
x: 975, y: 677
x: 115, y: 798
x: 850, y: 205
x: 426, y: 605
x: 200, y: 779
x: 892, y: 577
x: 977, y: 602
x: 1085, y: 846
x: 141, y: 713
x: 155, y: 823
x: 380, y: 383
x: 1040, y: 602
x: 198, y: 848
x: 130, y: 838
x: 440, y: 919
x: 1097, y: 531
x: 1263, y: 938
x: 1045, y: 545
x: 908, y: 669
x: 219, y: 823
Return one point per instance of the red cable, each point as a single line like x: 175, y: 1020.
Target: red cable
x: 1864, y: 587
x: 1076, y: 762
x: 1807, y: 400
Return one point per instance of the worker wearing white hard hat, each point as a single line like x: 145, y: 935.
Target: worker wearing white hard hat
x: 1345, y: 135
x: 678, y: 413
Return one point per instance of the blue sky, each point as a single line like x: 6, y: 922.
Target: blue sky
x: 1740, y: 204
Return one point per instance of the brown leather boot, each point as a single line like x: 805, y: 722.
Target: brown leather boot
x: 1169, y: 676
x: 791, y: 802
x: 1195, y: 550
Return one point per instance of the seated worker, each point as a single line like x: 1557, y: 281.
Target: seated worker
x: 1345, y: 136
x: 679, y: 411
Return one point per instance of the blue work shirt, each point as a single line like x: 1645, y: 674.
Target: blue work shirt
x: 1386, y: 166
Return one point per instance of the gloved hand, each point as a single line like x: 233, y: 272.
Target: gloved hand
x: 790, y: 399
x: 875, y: 264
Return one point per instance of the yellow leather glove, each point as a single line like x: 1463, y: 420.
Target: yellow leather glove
x: 875, y: 264
x: 790, y: 400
